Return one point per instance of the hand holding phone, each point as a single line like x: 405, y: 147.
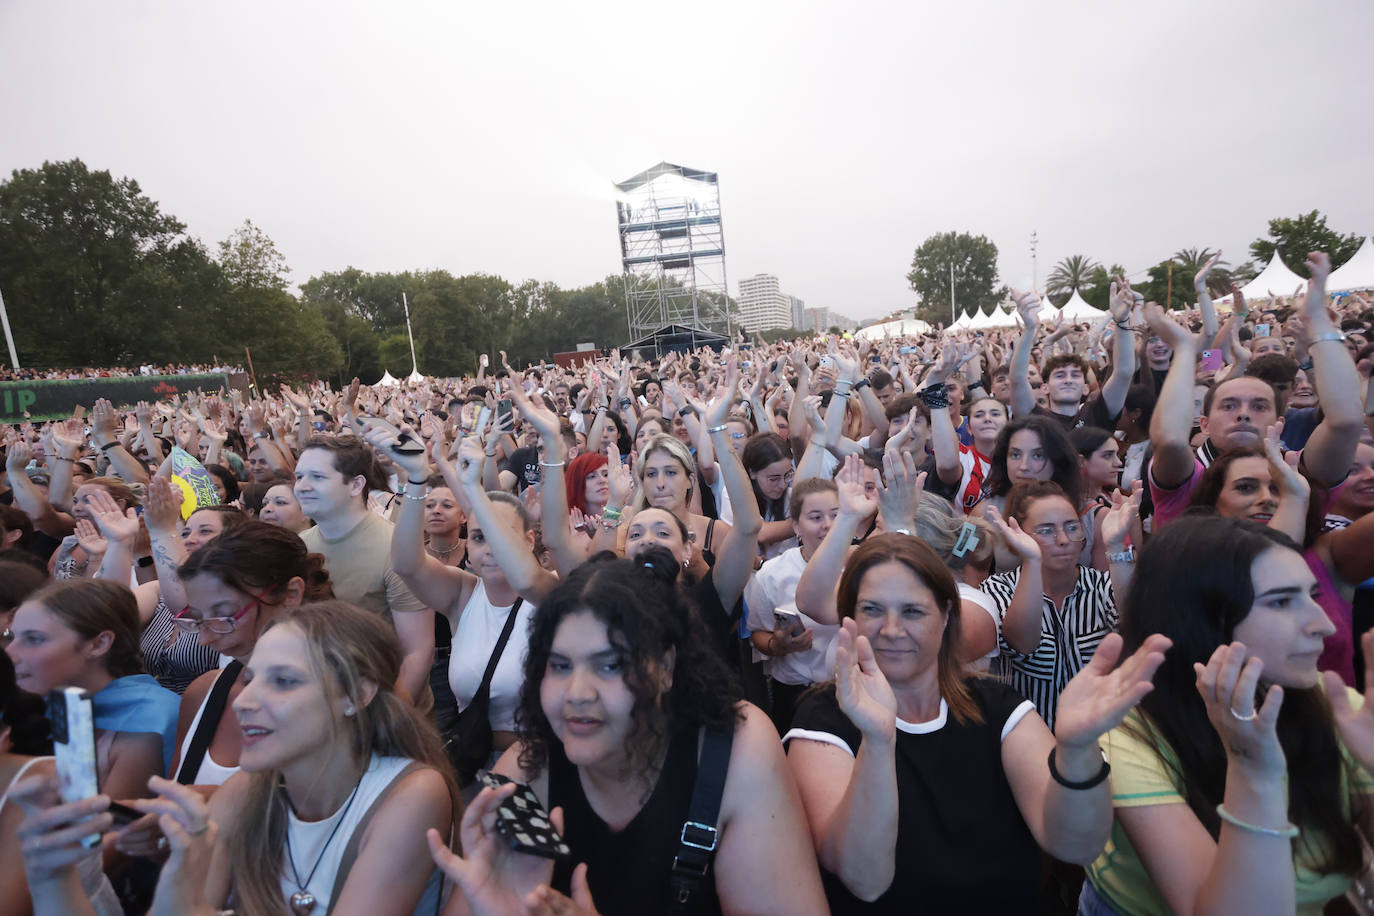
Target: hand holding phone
x: 522, y: 821
x: 70, y: 714
x: 1210, y: 361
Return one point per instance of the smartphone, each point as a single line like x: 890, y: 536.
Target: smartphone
x: 1211, y: 360
x: 827, y: 362
x: 503, y: 409
x: 73, y: 735
x: 790, y: 622
x: 1261, y: 330
x: 523, y: 823
x: 483, y: 417
x: 907, y: 351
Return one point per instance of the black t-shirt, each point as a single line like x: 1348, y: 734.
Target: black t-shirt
x: 1093, y: 413
x: 962, y: 845
x: 524, y: 464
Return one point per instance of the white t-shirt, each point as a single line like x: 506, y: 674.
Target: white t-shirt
x: 774, y: 585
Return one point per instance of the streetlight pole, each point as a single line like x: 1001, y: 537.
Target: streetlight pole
x: 1035, y: 278
x: 953, y: 315
x: 9, y: 337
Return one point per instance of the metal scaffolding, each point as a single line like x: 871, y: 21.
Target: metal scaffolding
x: 672, y: 250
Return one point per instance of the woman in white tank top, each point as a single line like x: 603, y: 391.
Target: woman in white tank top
x: 340, y: 781
x: 477, y: 603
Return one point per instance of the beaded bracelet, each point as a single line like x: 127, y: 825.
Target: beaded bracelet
x: 935, y: 397
x: 718, y: 429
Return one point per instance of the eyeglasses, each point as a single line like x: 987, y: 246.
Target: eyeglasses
x: 219, y: 625
x: 1050, y: 533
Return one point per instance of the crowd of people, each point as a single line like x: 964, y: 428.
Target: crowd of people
x: 8, y: 374
x: 1070, y: 619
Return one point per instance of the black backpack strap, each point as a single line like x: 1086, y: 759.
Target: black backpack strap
x: 484, y: 689
x: 697, y: 844
x: 209, y: 721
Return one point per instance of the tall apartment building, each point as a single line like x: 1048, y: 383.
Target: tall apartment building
x: 762, y: 305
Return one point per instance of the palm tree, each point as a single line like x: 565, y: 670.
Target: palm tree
x: 1189, y: 261
x: 1072, y: 273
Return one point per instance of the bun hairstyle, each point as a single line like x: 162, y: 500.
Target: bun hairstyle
x: 650, y: 622
x: 349, y: 650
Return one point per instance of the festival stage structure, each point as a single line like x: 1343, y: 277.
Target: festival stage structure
x: 672, y: 250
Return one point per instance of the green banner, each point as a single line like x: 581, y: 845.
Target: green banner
x: 55, y: 399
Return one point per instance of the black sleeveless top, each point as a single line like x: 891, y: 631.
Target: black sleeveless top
x: 628, y: 870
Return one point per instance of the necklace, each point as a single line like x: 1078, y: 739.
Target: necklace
x: 442, y: 554
x: 302, y: 901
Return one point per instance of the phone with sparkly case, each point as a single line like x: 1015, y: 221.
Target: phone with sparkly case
x: 523, y: 823
x: 73, y: 732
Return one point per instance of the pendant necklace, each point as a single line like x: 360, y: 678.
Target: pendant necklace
x: 302, y: 901
x: 442, y: 555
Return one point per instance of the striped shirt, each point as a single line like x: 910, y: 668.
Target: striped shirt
x: 1069, y: 637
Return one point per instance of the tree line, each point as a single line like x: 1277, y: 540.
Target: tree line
x: 93, y: 273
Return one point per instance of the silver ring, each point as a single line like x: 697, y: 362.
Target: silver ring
x: 206, y: 826
x: 1250, y: 718
x: 162, y: 842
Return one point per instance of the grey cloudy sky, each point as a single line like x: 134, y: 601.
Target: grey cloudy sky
x: 485, y: 137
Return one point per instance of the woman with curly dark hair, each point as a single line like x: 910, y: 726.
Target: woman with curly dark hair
x: 623, y: 700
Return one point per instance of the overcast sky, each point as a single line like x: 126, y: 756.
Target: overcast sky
x: 485, y: 136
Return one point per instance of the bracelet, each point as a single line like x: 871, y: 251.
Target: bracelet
x: 935, y: 396
x: 64, y: 458
x: 842, y: 394
x: 1124, y: 325
x: 1125, y: 556
x: 846, y: 383
x: 610, y: 522
x: 552, y: 464
x: 718, y: 429
x: 403, y: 490
x: 1329, y: 335
x: 1087, y: 784
x: 684, y: 411
x: 861, y: 383
x: 1288, y: 831
x: 109, y: 445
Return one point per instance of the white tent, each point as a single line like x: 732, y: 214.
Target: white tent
x: 1002, y: 318
x: 1275, y: 280
x: 1078, y: 309
x: 902, y: 327
x: 388, y: 380
x: 981, y: 321
x: 415, y: 377
x: 962, y: 323
x: 1355, y: 274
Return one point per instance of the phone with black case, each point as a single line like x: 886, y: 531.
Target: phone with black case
x: 522, y: 821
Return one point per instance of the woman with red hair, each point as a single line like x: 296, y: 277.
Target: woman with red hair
x: 588, y: 482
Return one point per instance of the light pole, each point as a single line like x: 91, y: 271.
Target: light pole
x: 1034, y: 242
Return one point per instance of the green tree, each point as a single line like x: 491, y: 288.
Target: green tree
x: 1073, y: 273
x: 1298, y: 236
x: 376, y: 298
x: 95, y: 274
x: 250, y: 258
x: 974, y: 262
x: 1099, y: 288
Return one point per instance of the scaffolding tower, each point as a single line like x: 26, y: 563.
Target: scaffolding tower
x: 672, y: 250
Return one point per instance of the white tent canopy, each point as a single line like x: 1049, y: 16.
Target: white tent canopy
x: 964, y: 320
x: 1355, y: 274
x: 902, y: 327
x: 1275, y: 280
x: 981, y: 321
x: 1078, y: 309
x: 388, y: 380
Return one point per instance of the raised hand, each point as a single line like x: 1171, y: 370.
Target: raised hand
x: 1116, y: 524
x: 1284, y: 474
x: 1027, y: 306
x: 162, y: 508
x: 68, y: 438
x: 51, y: 833
x: 296, y: 399
x: 719, y: 408
x: 1356, y: 726
x: 103, y: 421
x: 114, y: 524
x: 1228, y: 683
x: 214, y: 430
x: 386, y: 438
x: 470, y: 458
x: 89, y: 538
x: 1164, y: 326
x: 1100, y: 695
x: 896, y: 441
x: 855, y: 500
x: 493, y: 878
x: 620, y: 477
x: 862, y: 690
x: 900, y: 494
x: 1020, y: 542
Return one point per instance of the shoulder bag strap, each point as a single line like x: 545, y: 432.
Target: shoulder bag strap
x: 698, y: 841
x: 484, y: 689
x: 209, y: 721
x: 350, y: 853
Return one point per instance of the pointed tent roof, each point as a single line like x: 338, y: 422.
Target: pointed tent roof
x: 1275, y: 280
x: 415, y: 376
x: 1002, y: 318
x: 982, y: 321
x: 1355, y: 274
x: 962, y: 321
x: 1078, y: 309
x: 388, y: 380
x: 902, y: 327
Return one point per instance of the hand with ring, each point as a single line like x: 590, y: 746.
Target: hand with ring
x: 1229, y: 685
x: 190, y: 834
